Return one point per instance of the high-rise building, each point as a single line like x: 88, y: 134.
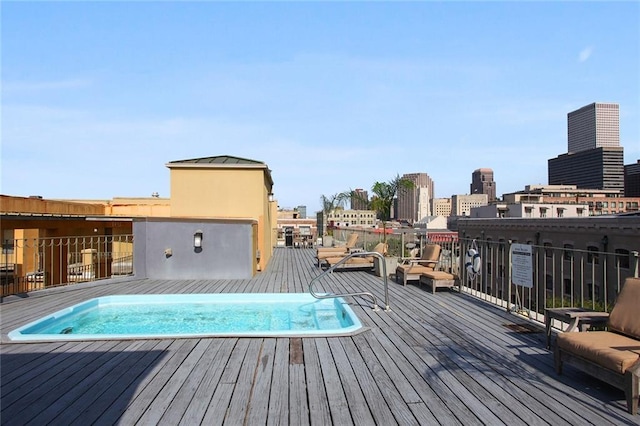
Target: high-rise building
x: 360, y: 200
x: 598, y: 168
x: 415, y: 203
x: 632, y: 180
x: 595, y: 159
x: 596, y: 125
x: 482, y: 183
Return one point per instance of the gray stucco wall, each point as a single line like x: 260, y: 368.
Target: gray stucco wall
x: 164, y: 249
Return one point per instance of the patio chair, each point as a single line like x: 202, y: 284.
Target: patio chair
x: 612, y: 356
x: 411, y: 269
x: 358, y: 262
x: 324, y: 252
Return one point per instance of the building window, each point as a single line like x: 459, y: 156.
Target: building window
x: 622, y: 258
x: 549, y: 282
x: 528, y: 212
x: 548, y: 251
x: 592, y: 255
x: 580, y: 212
x: 543, y: 212
x: 568, y: 252
x: 560, y: 212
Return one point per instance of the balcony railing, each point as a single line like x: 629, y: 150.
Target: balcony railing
x: 35, y: 263
x: 561, y: 276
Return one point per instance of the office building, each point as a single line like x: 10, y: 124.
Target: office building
x: 529, y: 210
x: 360, y: 199
x: 632, y: 180
x: 482, y: 183
x: 598, y: 168
x: 441, y: 207
x: 596, y: 125
x: 461, y: 205
x: 302, y: 212
x: 594, y: 158
x: 415, y: 203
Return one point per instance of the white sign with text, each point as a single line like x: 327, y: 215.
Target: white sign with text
x: 522, y: 265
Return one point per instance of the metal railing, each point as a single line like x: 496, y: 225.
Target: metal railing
x: 363, y: 293
x: 30, y: 264
x: 561, y: 276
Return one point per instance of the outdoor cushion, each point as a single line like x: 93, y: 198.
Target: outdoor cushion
x: 610, y: 350
x: 438, y: 275
x: 625, y: 316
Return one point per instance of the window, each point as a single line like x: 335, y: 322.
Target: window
x: 528, y: 211
x: 560, y: 212
x: 549, y: 282
x: 593, y: 255
x: 622, y: 258
x: 568, y: 252
x: 543, y: 212
x: 548, y: 251
x: 580, y: 212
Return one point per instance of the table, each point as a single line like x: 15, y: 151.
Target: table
x: 576, y: 317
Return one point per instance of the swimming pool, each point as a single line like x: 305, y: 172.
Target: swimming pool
x: 194, y: 315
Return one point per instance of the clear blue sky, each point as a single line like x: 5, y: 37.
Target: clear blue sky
x: 98, y: 96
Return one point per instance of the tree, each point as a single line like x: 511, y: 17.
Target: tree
x: 382, y: 199
x: 329, y: 204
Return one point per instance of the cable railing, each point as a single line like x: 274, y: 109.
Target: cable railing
x: 29, y: 264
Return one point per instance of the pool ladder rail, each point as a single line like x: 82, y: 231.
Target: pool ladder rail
x: 363, y: 293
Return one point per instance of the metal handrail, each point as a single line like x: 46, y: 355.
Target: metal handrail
x: 364, y: 293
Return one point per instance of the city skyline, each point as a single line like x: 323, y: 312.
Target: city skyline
x: 98, y: 97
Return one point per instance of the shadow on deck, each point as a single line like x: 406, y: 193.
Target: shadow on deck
x: 434, y: 359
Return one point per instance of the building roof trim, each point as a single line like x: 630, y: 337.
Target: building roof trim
x: 222, y: 162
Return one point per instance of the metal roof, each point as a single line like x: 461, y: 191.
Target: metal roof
x: 220, y: 159
x: 223, y: 161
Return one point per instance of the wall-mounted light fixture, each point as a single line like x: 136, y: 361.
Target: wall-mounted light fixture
x: 270, y: 197
x: 197, y: 239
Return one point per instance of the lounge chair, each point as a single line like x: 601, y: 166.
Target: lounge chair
x: 612, y: 356
x: 411, y: 269
x: 324, y: 252
x: 357, y: 262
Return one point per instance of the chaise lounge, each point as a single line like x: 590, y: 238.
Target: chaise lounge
x: 411, y: 269
x: 358, y: 262
x: 612, y: 356
x: 324, y: 252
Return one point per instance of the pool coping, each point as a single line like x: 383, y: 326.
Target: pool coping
x: 259, y: 297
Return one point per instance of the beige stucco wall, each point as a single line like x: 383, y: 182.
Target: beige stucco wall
x: 237, y: 193
x: 141, y: 207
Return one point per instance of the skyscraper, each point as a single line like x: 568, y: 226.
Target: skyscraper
x: 595, y: 159
x: 360, y: 200
x: 482, y: 183
x: 596, y: 125
x: 415, y: 203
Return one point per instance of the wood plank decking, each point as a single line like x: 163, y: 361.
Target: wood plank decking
x: 434, y: 359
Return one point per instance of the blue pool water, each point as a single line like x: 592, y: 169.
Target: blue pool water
x: 194, y: 315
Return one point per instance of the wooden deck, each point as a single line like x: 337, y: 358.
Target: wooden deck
x: 434, y: 359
